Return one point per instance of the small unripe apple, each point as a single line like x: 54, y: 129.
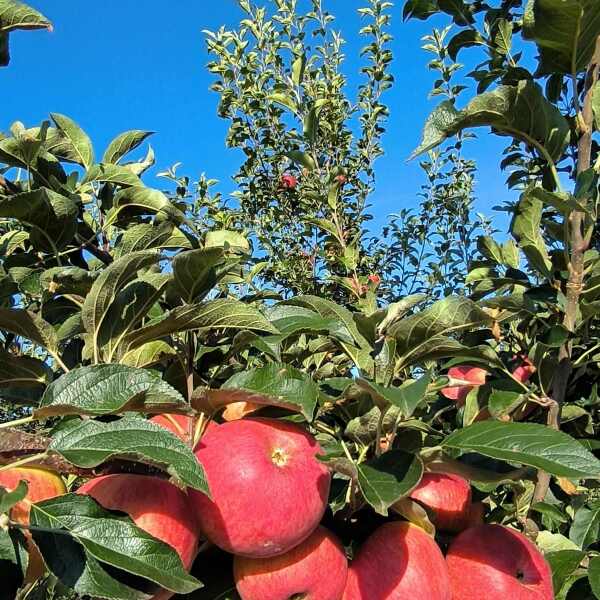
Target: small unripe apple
x: 447, y: 498
x: 316, y: 569
x: 154, y: 505
x: 397, y: 562
x: 497, y: 563
x: 268, y: 489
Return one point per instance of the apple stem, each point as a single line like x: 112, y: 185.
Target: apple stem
x: 198, y: 430
x: 25, y: 461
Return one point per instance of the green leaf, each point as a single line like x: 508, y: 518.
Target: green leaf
x: 303, y: 159
x: 585, y: 529
x: 106, y: 287
x: 77, y: 138
x: 23, y: 370
x: 109, y: 389
x: 107, y: 173
x: 13, y: 550
x: 526, y: 229
x: 284, y: 100
x: 111, y: 539
x: 148, y: 354
x: 527, y: 443
x: 29, y: 325
x: 563, y: 564
x: 127, y: 310
x: 151, y: 235
x: 464, y: 39
x: 9, y: 499
x: 52, y: 216
x: 330, y: 310
x: 226, y: 239
x: 16, y: 15
x: 386, y: 479
x: 148, y: 200
x: 406, y: 397
x: 223, y: 313
x: 520, y: 111
x: 594, y: 575
x: 275, y: 384
x: 195, y: 272
x: 123, y: 144
x: 90, y: 443
x: 67, y: 280
x: 427, y: 330
x: 565, y: 32
x: 298, y: 67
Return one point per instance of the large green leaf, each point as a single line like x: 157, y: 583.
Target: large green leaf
x: 109, y: 389
x: 425, y: 333
x: 14, y: 556
x: 123, y: 144
x: 23, y: 370
x: 565, y: 32
x: 520, y: 111
x: 128, y: 309
x: 90, y: 443
x: 67, y: 280
x: 274, y: 384
x: 563, y: 563
x: 527, y: 443
x: 585, y: 529
x: 150, y: 235
x: 109, y: 538
x: 223, y: 313
x: 148, y: 200
x: 106, y: 287
x: 108, y: 173
x: 594, y: 575
x: 76, y: 138
x: 526, y: 229
x: 16, y: 15
x: 195, y: 272
x: 52, y: 216
x: 386, y: 479
x: 29, y: 325
x: 332, y: 311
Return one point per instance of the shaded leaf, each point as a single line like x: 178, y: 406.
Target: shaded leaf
x: 76, y: 137
x: 527, y: 443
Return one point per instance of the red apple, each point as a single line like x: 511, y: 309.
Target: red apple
x: 447, y: 498
x: 42, y: 484
x: 497, y: 563
x: 269, y: 491
x: 154, y: 505
x: 316, y: 569
x: 399, y: 561
x: 461, y: 380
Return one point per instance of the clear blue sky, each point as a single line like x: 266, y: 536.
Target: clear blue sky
x: 131, y: 64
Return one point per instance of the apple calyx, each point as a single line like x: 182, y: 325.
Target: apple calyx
x: 280, y: 457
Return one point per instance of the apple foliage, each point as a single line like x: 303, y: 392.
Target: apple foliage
x: 120, y: 300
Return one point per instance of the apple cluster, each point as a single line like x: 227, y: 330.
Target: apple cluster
x: 269, y: 493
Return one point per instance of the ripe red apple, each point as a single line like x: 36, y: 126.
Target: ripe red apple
x: 447, y: 498
x: 497, y: 563
x: 461, y: 380
x: 269, y: 491
x: 154, y: 505
x: 42, y: 484
x: 316, y: 569
x: 399, y: 561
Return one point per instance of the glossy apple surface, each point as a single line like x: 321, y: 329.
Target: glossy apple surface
x: 154, y: 505
x: 447, y: 498
x: 316, y: 569
x: 399, y: 561
x: 499, y: 561
x: 268, y: 489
